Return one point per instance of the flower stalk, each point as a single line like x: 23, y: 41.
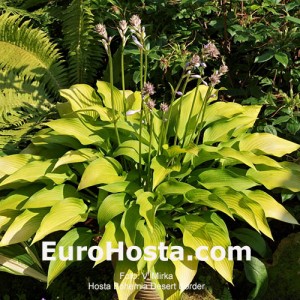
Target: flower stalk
x: 106, y: 40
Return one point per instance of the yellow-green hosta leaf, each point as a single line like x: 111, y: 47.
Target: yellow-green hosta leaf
x: 23, y: 227
x: 161, y: 169
x: 266, y: 143
x: 111, y: 206
x: 112, y: 234
x: 204, y: 197
x: 12, y: 163
x: 77, y: 237
x: 180, y: 119
x: 148, y: 207
x: 152, y: 238
x: 76, y: 128
x: 28, y: 173
x: 104, y: 113
x: 244, y: 207
x: 276, y: 178
x: 49, y: 139
x: 48, y: 196
x: 212, y: 179
x: 105, y: 92
x: 176, y: 150
x: 260, y: 159
x: 220, y: 110
x: 81, y: 96
x: 271, y: 207
x: 173, y: 188
x: 260, y: 217
x: 129, y: 187
x: 130, y: 148
x: 186, y: 269
x: 101, y: 170
x: 129, y: 223
x: 223, y: 130
x: 237, y: 204
x: 76, y: 156
x: 127, y: 279
x: 16, y: 199
x: 236, y: 155
x: 133, y: 100
x: 6, y: 218
x: 15, y: 260
x: 165, y: 267
x: 62, y: 216
x: 198, y: 231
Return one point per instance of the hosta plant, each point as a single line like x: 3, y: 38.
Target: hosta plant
x: 113, y: 168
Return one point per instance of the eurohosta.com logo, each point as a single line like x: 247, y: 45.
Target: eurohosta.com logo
x: 149, y: 253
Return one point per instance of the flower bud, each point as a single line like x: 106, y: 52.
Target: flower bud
x: 223, y: 69
x: 101, y: 30
x: 195, y: 76
x: 151, y: 104
x: 215, y: 78
x: 148, y: 89
x: 136, y: 41
x: 123, y: 25
x: 211, y: 50
x: 135, y: 22
x: 164, y: 107
x: 131, y: 112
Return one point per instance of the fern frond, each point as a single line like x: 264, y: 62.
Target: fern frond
x: 20, y: 99
x: 85, y: 53
x: 17, y: 11
x: 30, y: 52
x: 14, y: 139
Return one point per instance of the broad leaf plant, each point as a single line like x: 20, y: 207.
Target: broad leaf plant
x: 143, y: 175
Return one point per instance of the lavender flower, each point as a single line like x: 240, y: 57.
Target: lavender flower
x: 101, y: 30
x: 123, y: 25
x: 223, y: 69
x: 164, y: 107
x: 148, y: 89
x: 211, y: 50
x: 135, y: 22
x: 215, y: 78
x: 151, y: 104
x: 195, y: 61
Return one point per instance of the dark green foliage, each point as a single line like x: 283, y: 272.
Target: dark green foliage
x: 84, y: 53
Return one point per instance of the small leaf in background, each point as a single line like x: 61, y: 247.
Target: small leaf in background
x: 264, y: 57
x: 293, y: 19
x: 256, y: 273
x: 251, y: 238
x: 282, y: 58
